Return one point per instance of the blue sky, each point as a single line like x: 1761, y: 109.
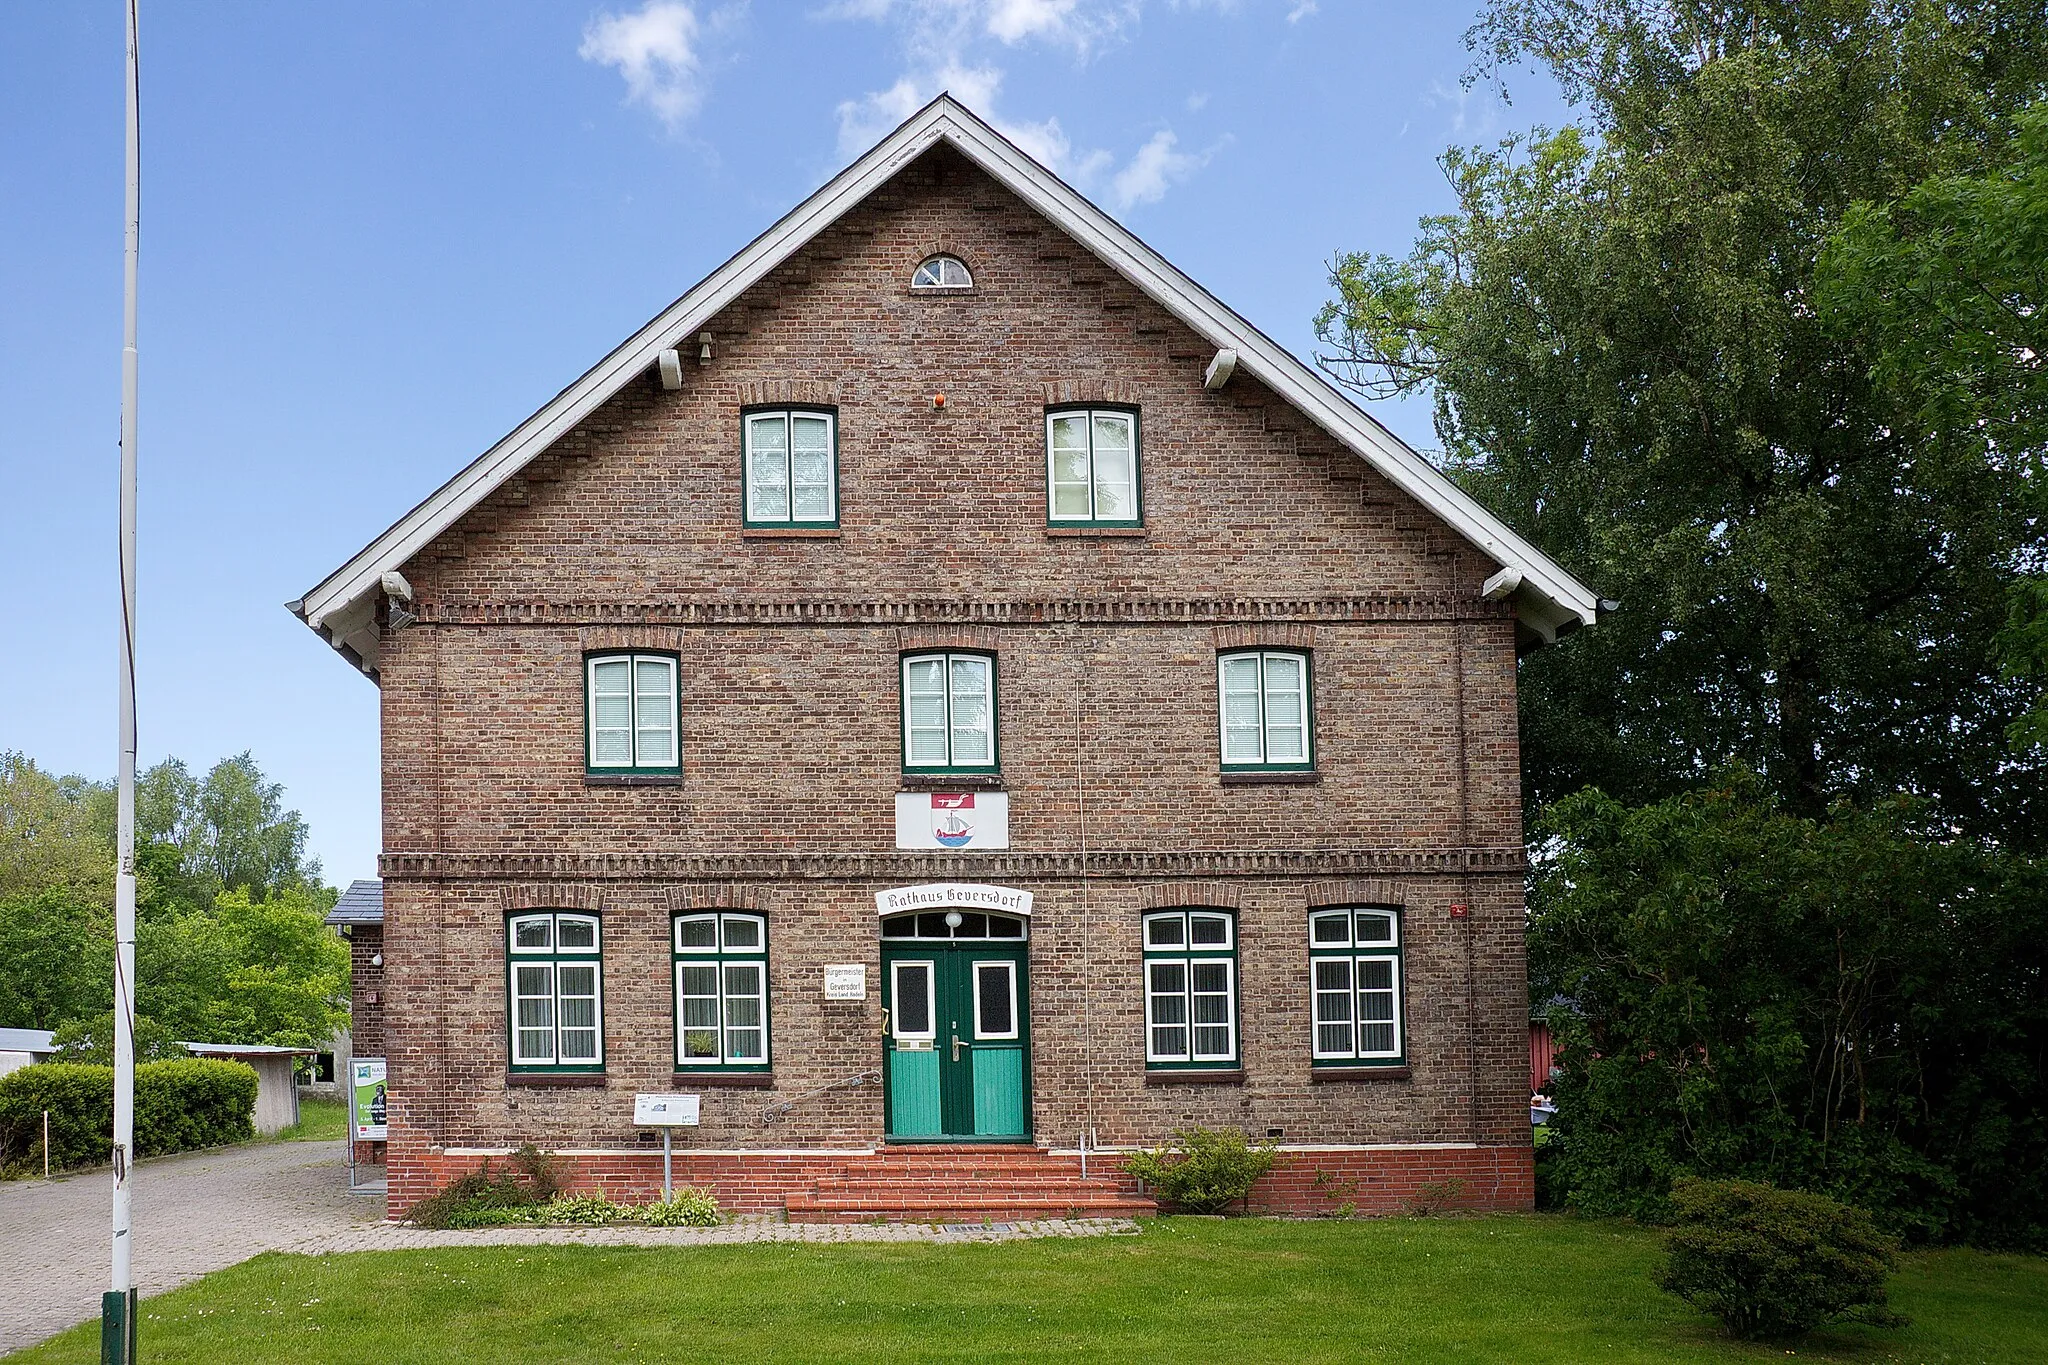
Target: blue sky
x: 378, y: 235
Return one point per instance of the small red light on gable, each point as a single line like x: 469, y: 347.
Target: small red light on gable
x: 938, y: 400
x: 1460, y: 910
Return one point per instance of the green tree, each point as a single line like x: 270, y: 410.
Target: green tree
x: 56, y: 958
x: 1620, y: 329
x: 246, y: 970
x: 1836, y: 1004
x: 230, y: 828
x: 1949, y: 286
x: 54, y: 831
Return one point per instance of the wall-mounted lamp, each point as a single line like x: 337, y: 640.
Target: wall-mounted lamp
x: 939, y: 400
x: 376, y: 959
x: 952, y: 919
x: 703, y: 348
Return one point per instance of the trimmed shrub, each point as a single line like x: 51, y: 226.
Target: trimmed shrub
x: 1203, y: 1170
x: 1775, y: 1263
x: 179, y: 1106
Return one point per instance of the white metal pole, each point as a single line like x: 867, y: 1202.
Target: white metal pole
x: 124, y: 881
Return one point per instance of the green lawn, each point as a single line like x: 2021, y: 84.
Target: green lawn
x: 319, y: 1121
x: 1505, y: 1288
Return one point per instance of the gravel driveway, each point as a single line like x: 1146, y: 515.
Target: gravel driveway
x: 194, y: 1213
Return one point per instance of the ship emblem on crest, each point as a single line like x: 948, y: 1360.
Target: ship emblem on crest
x: 953, y: 818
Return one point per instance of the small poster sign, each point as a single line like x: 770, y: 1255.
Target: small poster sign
x: 846, y: 981
x: 368, y: 1099
x: 665, y: 1111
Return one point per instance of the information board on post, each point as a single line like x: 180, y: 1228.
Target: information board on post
x: 368, y: 1099
x: 666, y: 1111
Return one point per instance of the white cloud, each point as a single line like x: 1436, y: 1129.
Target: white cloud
x: 1473, y: 113
x: 940, y: 38
x: 1301, y: 11
x: 1155, y: 168
x: 656, y: 50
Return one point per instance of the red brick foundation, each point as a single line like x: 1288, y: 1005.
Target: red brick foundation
x: 1318, y: 1183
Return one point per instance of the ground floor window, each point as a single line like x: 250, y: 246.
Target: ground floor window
x: 554, y: 965
x: 1190, y: 989
x: 1355, y: 981
x: 721, y: 974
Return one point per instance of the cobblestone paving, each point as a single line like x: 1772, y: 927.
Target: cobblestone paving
x: 194, y: 1213
x: 385, y: 1237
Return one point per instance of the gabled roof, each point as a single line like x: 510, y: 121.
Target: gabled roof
x: 342, y: 607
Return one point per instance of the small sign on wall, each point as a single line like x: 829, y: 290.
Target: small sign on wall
x: 953, y: 820
x: 665, y: 1111
x: 846, y: 981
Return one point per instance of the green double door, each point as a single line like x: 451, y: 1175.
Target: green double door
x: 957, y: 1042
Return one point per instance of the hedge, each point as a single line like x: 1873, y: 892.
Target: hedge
x: 179, y: 1105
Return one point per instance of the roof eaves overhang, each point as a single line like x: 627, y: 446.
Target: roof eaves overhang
x: 1549, y: 601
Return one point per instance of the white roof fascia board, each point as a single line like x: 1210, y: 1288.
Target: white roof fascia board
x: 1272, y: 364
x: 1117, y: 247
x: 363, y: 573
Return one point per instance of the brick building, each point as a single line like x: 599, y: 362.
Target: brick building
x: 948, y: 691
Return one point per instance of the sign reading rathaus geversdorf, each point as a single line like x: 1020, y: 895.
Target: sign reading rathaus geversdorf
x: 941, y: 895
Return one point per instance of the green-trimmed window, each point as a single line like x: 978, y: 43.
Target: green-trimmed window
x: 791, y: 466
x: 721, y: 966
x: 1190, y: 989
x: 555, y: 991
x: 1091, y: 467
x: 949, y: 713
x: 630, y: 713
x: 1354, y: 967
x: 1267, y: 706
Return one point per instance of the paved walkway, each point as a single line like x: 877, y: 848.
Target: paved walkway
x: 194, y: 1213
x: 205, y: 1211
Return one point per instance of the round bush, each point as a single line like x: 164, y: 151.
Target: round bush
x: 1775, y: 1263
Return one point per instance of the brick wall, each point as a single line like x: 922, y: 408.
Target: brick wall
x: 1259, y: 529
x: 366, y: 1004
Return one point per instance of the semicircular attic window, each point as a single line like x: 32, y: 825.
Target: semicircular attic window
x: 942, y: 272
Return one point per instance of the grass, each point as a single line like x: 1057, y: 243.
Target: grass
x: 1538, y: 1289
x: 319, y: 1121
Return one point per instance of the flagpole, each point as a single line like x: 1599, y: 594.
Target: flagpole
x: 117, y: 1309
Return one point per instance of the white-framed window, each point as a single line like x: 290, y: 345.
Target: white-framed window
x: 1091, y: 467
x: 630, y: 713
x: 721, y: 975
x: 555, y: 991
x: 1354, y: 963
x: 914, y: 1013
x: 995, y: 1001
x: 949, y: 713
x: 1190, y: 960
x: 791, y: 466
x: 1266, y: 704
x: 942, y: 272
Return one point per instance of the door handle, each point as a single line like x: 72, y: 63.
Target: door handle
x: 957, y: 1045
x: 885, y: 1021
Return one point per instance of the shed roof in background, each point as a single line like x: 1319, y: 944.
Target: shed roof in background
x: 362, y: 903
x: 27, y: 1040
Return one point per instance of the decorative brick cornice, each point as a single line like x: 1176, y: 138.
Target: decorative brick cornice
x: 911, y: 867
x: 552, y: 895
x: 1266, y: 635
x: 629, y: 637
x: 1356, y: 891
x: 1151, y: 611
x: 1173, y: 895
x: 723, y: 896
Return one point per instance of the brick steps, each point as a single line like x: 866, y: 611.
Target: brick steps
x: 962, y: 1184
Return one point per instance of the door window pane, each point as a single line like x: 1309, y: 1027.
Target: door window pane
x: 912, y: 1000
x: 995, y: 1000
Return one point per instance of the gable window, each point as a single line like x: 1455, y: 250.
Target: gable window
x: 1355, y: 980
x: 949, y: 713
x: 943, y: 272
x: 1267, y: 710
x: 630, y: 713
x: 1091, y: 467
x: 1190, y: 989
x: 721, y: 967
x: 554, y: 992
x: 792, y: 467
